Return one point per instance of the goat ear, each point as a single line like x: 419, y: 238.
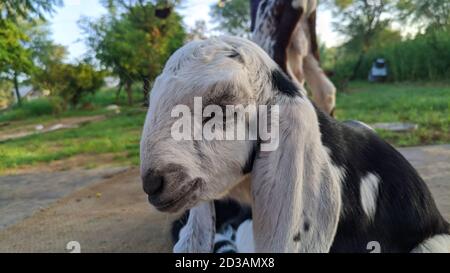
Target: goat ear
x: 197, y: 236
x: 295, y: 189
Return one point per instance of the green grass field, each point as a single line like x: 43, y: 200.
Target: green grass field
x: 118, y: 134
x: 424, y: 104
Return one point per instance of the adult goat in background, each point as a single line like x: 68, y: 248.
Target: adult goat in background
x: 286, y: 30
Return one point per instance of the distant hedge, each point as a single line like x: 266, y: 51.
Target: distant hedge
x: 426, y: 57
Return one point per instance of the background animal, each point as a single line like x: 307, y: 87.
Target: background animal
x: 286, y: 30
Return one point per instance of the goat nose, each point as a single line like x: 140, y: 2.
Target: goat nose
x: 152, y: 183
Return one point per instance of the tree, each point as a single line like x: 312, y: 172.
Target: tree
x: 133, y: 41
x: 78, y: 80
x: 48, y: 68
x: 5, y: 94
x: 14, y: 57
x: 198, y: 31
x: 232, y: 16
x: 27, y: 9
x: 426, y: 13
x: 361, y: 21
x: 115, y: 44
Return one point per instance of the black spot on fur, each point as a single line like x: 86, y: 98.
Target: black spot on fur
x: 284, y: 85
x: 221, y: 244
x: 254, y: 11
x: 248, y: 167
x: 306, y: 226
x: 177, y: 225
x: 297, y: 237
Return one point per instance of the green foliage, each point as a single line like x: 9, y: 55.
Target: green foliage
x: 134, y: 44
x: 366, y: 24
x: 27, y: 9
x: 232, y: 16
x: 34, y: 108
x: 13, y: 56
x: 361, y: 20
x: 426, y: 57
x: 425, y: 13
x: 77, y: 81
x: 47, y: 74
x: 5, y: 94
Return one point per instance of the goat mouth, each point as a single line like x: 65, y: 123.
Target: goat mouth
x: 180, y: 201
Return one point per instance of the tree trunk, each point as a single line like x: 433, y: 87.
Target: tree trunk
x: 129, y: 91
x: 118, y: 91
x: 16, y: 88
x: 357, y: 65
x: 146, y: 89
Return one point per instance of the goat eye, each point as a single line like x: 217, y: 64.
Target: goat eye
x: 233, y: 54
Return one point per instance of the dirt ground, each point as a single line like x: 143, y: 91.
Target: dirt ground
x: 111, y: 214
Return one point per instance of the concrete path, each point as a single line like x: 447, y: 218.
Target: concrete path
x: 113, y: 215
x: 22, y: 195
x: 433, y: 164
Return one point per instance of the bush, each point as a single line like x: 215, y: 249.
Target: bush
x: 71, y: 82
x: 425, y: 58
x: 79, y: 80
x: 34, y: 108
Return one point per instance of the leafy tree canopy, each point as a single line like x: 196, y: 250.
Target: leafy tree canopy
x: 232, y: 16
x: 132, y: 41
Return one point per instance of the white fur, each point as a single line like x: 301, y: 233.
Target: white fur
x: 435, y: 244
x: 295, y: 189
x: 369, y: 194
x: 244, y: 237
x: 197, y: 236
x: 295, y: 186
x: 203, y: 68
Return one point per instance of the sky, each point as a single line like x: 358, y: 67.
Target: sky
x: 66, y: 31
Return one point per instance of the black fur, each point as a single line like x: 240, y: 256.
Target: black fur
x: 406, y: 213
x: 248, y: 167
x: 253, y: 10
x: 282, y: 83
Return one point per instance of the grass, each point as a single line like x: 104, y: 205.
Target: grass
x: 118, y: 134
x: 424, y: 104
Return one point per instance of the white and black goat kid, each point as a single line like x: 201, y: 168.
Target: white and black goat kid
x: 328, y: 187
